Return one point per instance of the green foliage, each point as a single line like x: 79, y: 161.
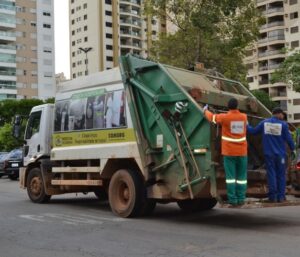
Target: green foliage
x: 289, y: 71
x: 8, y: 109
x: 215, y: 32
x: 7, y: 141
x: 265, y: 99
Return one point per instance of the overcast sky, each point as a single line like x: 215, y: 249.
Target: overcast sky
x: 61, y: 28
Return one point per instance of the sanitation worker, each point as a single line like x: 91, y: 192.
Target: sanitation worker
x: 234, y: 150
x: 275, y: 133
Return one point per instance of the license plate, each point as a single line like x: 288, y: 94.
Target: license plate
x: 15, y: 165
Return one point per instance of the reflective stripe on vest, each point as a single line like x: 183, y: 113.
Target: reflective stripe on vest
x: 214, y: 119
x: 241, y: 182
x: 230, y: 181
x: 230, y: 139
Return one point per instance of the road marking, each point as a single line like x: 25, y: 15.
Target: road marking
x: 33, y: 217
x: 71, y: 219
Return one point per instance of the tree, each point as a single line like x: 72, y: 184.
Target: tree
x: 265, y: 99
x: 7, y: 141
x: 8, y: 109
x: 289, y: 71
x: 214, y: 32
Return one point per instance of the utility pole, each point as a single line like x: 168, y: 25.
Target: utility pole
x: 86, y: 50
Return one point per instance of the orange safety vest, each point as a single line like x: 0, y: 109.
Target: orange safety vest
x: 234, y: 123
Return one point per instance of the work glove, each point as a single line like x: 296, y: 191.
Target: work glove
x: 180, y: 107
x: 294, y: 155
x: 205, y: 107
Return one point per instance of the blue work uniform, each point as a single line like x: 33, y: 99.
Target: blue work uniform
x: 275, y: 133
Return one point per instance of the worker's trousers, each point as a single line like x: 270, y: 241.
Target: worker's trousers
x: 276, y: 167
x: 236, y: 178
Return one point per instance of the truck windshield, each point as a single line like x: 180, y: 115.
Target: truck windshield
x: 33, y: 125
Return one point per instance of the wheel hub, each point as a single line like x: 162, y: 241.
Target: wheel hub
x: 36, y: 186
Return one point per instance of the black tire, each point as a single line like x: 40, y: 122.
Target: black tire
x: 13, y: 177
x: 201, y: 204
x: 35, y: 187
x: 101, y: 194
x: 126, y: 193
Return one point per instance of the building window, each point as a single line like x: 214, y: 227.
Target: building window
x: 108, y: 13
x: 293, y: 2
x: 108, y: 35
x: 33, y: 24
x: 74, y: 75
x: 85, y: 39
x: 73, y: 43
x: 47, y: 50
x: 84, y: 6
x: 294, y: 44
x: 47, y: 26
x: 296, y: 101
x: 109, y: 58
x: 85, y: 28
x: 108, y: 24
x: 46, y: 13
x: 293, y: 15
x: 73, y: 22
x: 109, y: 47
x: 73, y: 54
x: 72, y: 11
x: 296, y: 116
x: 73, y: 32
x: 85, y: 17
x: 74, y: 64
x: 294, y: 29
x: 72, y: 1
x: 108, y: 1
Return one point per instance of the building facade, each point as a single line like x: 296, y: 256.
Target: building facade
x: 27, y: 45
x: 102, y: 30
x: 279, y: 33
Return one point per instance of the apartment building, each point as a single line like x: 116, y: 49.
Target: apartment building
x: 27, y: 49
x: 102, y: 30
x: 280, y: 32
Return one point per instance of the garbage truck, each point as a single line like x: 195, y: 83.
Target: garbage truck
x: 117, y: 133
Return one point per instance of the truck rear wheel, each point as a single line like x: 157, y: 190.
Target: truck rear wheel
x: 35, y: 187
x: 200, y: 204
x: 126, y: 193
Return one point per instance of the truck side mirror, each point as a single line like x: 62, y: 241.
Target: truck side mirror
x: 17, y: 126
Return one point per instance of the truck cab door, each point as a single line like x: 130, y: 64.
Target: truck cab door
x: 32, y: 142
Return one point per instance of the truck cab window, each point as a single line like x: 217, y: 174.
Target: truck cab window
x: 33, y: 124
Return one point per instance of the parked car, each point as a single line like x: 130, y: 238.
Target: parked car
x: 2, y: 157
x: 11, y: 163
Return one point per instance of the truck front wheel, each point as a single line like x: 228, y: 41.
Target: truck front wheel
x: 200, y: 204
x: 126, y: 193
x: 35, y: 187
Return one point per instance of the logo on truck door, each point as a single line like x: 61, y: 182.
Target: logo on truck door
x: 92, y: 117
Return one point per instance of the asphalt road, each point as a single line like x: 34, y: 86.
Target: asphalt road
x: 73, y: 226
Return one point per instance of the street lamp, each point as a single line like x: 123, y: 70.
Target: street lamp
x: 86, y: 50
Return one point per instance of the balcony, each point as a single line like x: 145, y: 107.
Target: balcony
x: 271, y: 38
x: 7, y: 36
x: 7, y: 9
x: 273, y: 10
x: 264, y: 82
x: 136, y: 2
x: 272, y: 24
x: 270, y: 52
x: 274, y: 66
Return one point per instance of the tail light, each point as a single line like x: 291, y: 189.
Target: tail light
x: 298, y: 165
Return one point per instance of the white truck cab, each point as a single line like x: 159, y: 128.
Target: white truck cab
x: 38, y: 134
